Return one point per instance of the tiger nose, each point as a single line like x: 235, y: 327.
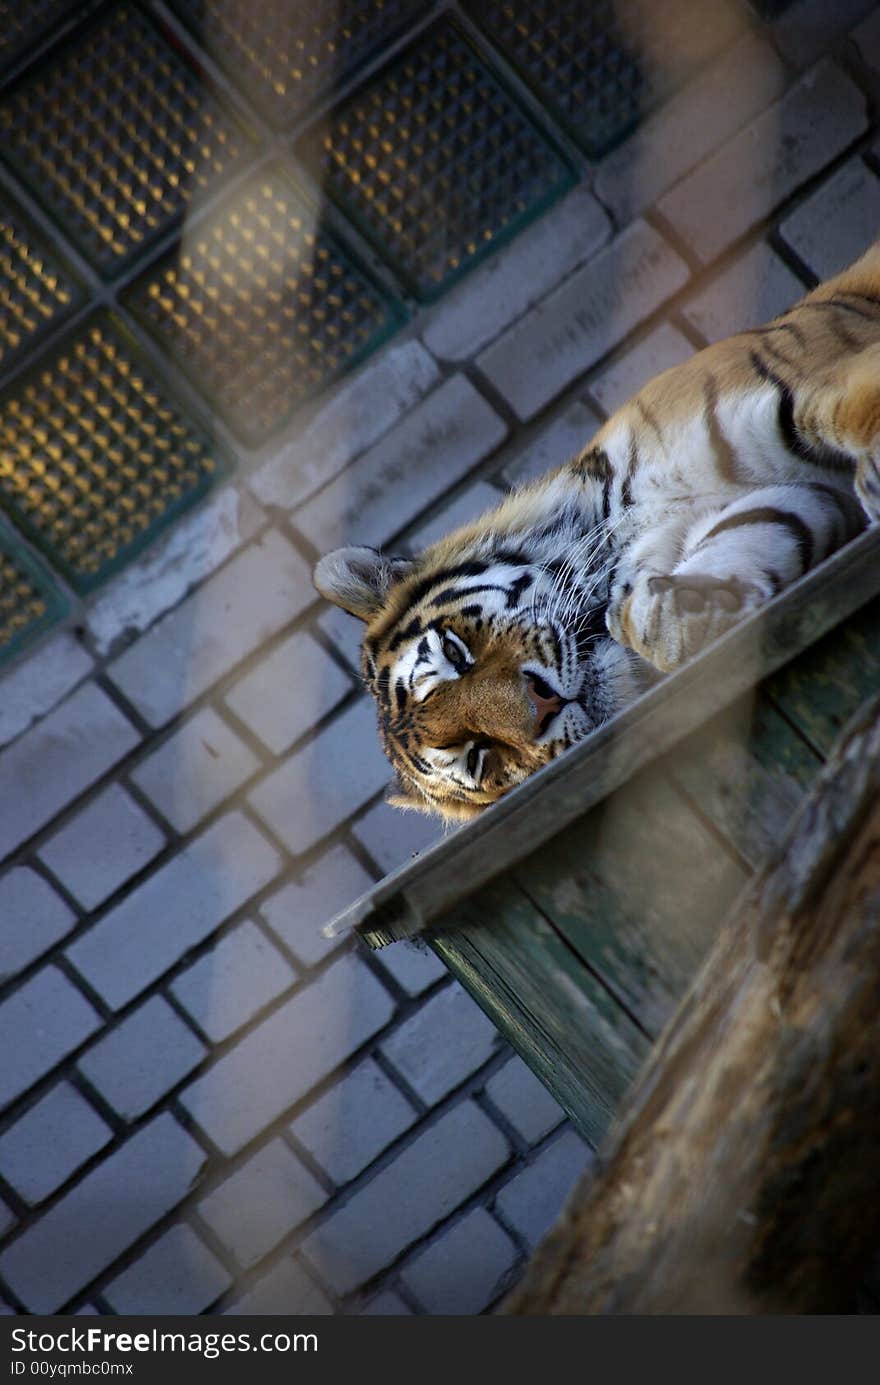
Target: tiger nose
x: 544, y: 700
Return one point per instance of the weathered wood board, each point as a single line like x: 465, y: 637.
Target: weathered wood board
x: 578, y: 910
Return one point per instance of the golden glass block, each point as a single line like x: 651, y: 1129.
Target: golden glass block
x: 433, y: 156
x: 285, y: 56
x: 23, y: 23
x: 601, y: 66
x: 94, y: 457
x: 115, y: 134
x: 30, y: 602
x: 36, y: 291
x: 263, y: 307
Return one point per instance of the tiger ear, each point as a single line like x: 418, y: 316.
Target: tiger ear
x: 359, y: 579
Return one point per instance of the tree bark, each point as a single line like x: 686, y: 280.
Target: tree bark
x: 743, y: 1175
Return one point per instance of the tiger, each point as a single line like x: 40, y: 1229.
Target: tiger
x: 719, y: 483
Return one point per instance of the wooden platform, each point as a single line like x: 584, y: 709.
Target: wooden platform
x: 577, y: 910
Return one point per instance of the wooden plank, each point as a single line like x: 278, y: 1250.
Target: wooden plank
x: 558, y: 1017
x: 747, y: 770
x: 639, y: 888
x: 423, y: 890
x: 827, y: 685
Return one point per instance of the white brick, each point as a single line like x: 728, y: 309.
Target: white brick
x: 37, y: 684
x: 50, y: 1142
x: 364, y: 409
x: 32, y: 918
x: 380, y: 493
x: 345, y: 632
x: 173, y: 910
x: 663, y: 347
x: 195, y: 769
x: 40, y: 1023
x: 386, y: 1305
x: 288, y: 691
x: 532, y: 1200
x: 464, y: 1269
x: 393, y: 837
x: 256, y: 594
x: 139, y: 1061
x: 102, y: 1215
x: 326, y: 781
x: 50, y: 765
x: 347, y: 1127
x: 262, y: 1202
x: 755, y: 288
x: 442, y: 1043
x: 524, y: 1100
x: 469, y: 317
x: 442, y: 1168
x: 225, y: 988
x: 193, y: 549
x: 751, y: 174
x: 289, y: 1053
x: 867, y: 39
x: 413, y: 966
x: 562, y: 438
x: 688, y: 127
x: 298, y: 912
x: 806, y: 30
x: 103, y: 846
x: 176, y: 1275
x: 476, y: 501
x: 285, y: 1290
x: 575, y: 326
x: 838, y: 222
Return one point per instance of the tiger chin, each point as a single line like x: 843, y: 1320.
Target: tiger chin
x: 721, y: 482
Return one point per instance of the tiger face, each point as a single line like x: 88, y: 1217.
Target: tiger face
x: 483, y: 668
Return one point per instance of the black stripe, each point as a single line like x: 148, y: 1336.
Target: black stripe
x: 517, y: 588
x: 846, y: 339
x: 819, y: 455
x: 768, y: 514
x: 863, y: 297
x: 408, y: 632
x: 400, y: 694
x: 776, y: 582
x: 649, y: 417
x: 382, y: 684
x: 456, y: 593
x: 834, y: 303
x: 725, y: 457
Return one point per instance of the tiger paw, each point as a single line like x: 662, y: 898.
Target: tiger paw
x: 669, y: 619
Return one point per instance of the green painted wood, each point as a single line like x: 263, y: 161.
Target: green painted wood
x: 747, y: 771
x: 825, y: 686
x: 638, y: 888
x: 554, y: 1012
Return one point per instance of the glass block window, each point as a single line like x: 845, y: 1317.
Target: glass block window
x: 262, y: 306
x: 435, y: 160
x: 95, y: 459
x: 116, y: 135
x: 600, y: 66
x: 285, y: 56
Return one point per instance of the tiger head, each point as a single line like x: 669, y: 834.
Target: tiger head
x: 487, y: 656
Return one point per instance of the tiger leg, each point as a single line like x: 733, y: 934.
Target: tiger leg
x: 844, y: 414
x: 730, y: 563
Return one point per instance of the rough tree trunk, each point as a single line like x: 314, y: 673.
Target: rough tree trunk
x: 744, y: 1175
